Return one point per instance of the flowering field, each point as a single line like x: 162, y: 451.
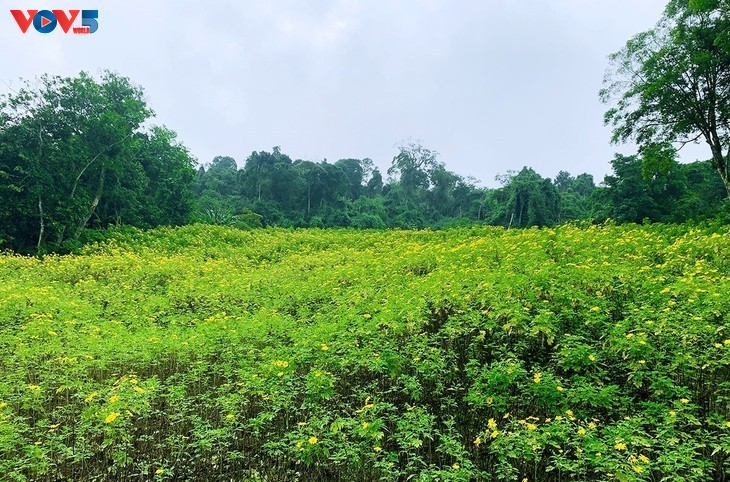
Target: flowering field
x: 207, y: 353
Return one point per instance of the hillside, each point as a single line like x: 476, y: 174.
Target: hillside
x: 210, y: 353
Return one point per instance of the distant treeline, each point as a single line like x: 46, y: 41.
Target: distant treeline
x: 271, y: 189
x: 77, y: 155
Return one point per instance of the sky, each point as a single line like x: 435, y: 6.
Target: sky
x: 492, y: 86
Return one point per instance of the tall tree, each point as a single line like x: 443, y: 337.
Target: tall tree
x: 526, y: 199
x: 671, y: 85
x: 412, y: 166
x: 70, y: 156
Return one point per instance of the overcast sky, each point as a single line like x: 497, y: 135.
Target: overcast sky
x: 491, y: 85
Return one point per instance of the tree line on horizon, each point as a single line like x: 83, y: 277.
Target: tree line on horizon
x: 75, y: 159
x: 420, y: 192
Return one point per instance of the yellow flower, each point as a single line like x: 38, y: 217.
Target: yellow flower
x: 90, y: 397
x: 581, y: 431
x: 727, y: 424
x: 591, y: 425
x: 684, y: 401
x: 114, y: 398
x: 377, y: 449
x: 672, y: 413
x: 592, y: 357
x: 111, y: 417
x: 531, y: 426
x: 365, y: 425
x: 367, y: 316
x: 456, y: 466
x: 537, y: 377
x: 559, y: 388
x: 569, y: 413
x: 490, y: 400
x: 620, y: 446
x: 313, y: 440
x: 230, y: 416
x: 478, y: 441
x: 491, y: 423
x: 637, y: 468
x: 325, y: 347
x: 160, y: 471
x: 138, y: 389
x: 644, y: 458
x: 280, y: 374
x: 33, y: 387
x: 494, y: 434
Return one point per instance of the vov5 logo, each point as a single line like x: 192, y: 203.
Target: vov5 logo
x: 46, y: 21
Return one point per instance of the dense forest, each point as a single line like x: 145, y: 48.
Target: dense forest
x: 77, y: 155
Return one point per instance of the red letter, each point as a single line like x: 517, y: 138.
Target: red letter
x: 20, y: 19
x: 64, y: 21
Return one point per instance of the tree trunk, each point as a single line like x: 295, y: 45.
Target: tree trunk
x: 723, y: 167
x: 719, y: 162
x: 94, y: 203
x: 43, y: 226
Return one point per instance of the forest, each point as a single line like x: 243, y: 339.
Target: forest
x: 77, y: 155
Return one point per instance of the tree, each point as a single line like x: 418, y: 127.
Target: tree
x: 671, y: 84
x: 73, y: 153
x: 166, y: 195
x: 575, y: 196
x: 631, y: 197
x: 526, y: 199
x: 355, y: 170
x: 413, y: 166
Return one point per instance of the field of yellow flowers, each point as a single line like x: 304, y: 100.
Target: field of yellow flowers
x: 210, y: 353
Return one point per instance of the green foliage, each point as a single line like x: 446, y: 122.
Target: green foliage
x: 212, y: 353
x: 670, y: 84
x: 669, y: 192
x: 526, y: 200
x: 73, y: 154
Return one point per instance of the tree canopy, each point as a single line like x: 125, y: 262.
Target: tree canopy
x: 670, y: 85
x: 73, y: 154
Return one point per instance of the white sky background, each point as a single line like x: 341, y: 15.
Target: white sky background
x: 491, y: 85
